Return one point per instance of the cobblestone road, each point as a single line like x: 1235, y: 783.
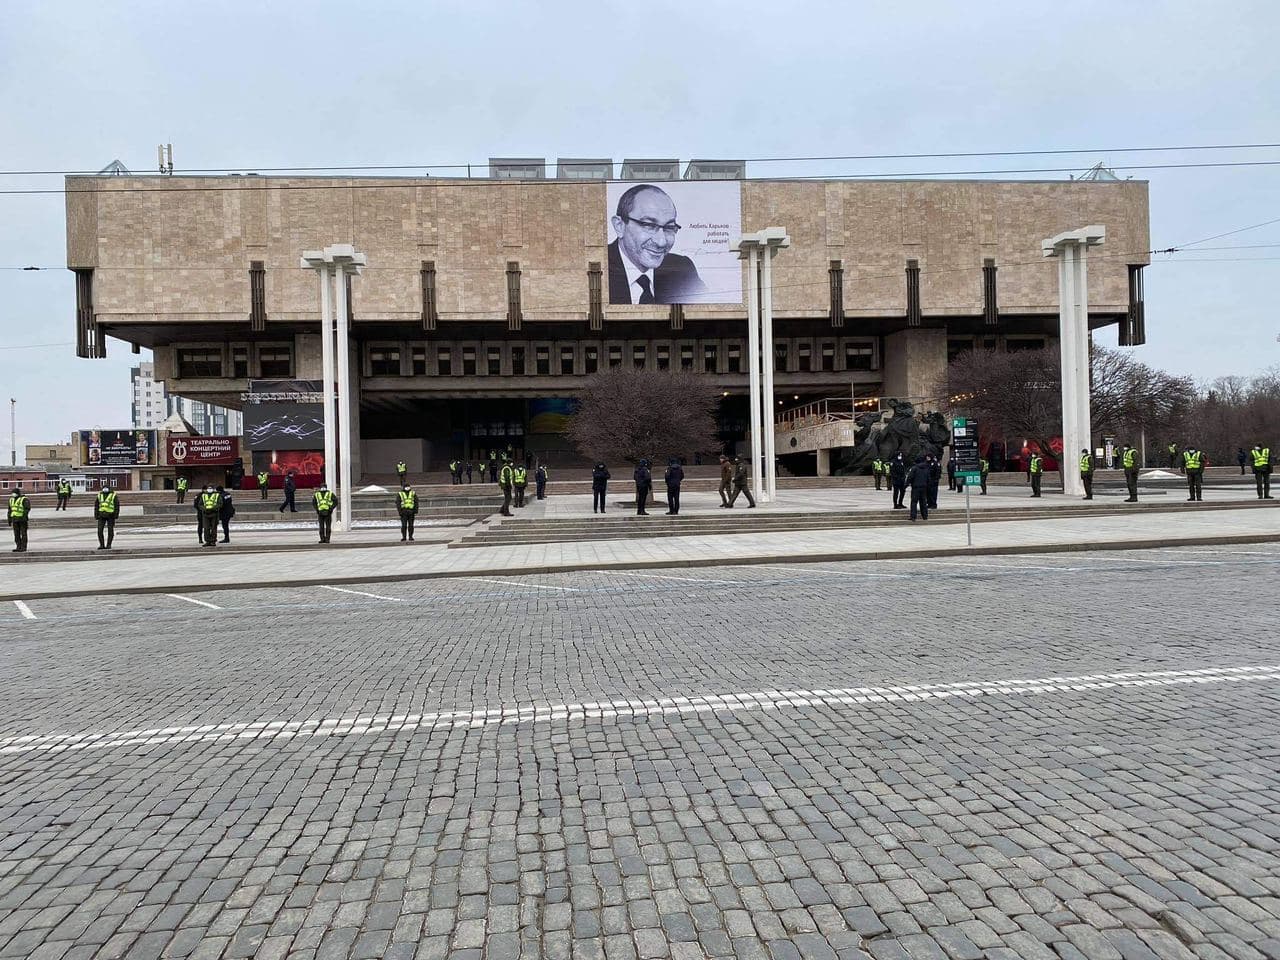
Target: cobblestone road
x: 1034, y: 757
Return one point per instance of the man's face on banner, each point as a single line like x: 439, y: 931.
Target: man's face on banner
x: 648, y: 233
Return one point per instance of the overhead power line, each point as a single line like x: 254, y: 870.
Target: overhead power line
x: 951, y: 155
x: 170, y: 185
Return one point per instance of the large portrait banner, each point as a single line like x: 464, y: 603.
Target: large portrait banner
x: 669, y: 242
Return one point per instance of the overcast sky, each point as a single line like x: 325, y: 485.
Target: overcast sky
x: 268, y: 84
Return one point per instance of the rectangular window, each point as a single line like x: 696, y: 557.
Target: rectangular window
x: 275, y: 362
x: 495, y: 361
x: 780, y: 356
x: 709, y: 358
x: 957, y: 346
x: 240, y: 362
x: 615, y: 357
x: 686, y: 356
x: 638, y: 356
x: 517, y: 361
x: 591, y: 358
x: 384, y: 361
x: 419, y: 358
x: 664, y: 357
x: 804, y: 357
x: 857, y: 356
x: 828, y: 356
x: 468, y: 361
x: 200, y: 362
x: 735, y: 357
x: 444, y: 362
x: 542, y: 359
x: 566, y: 361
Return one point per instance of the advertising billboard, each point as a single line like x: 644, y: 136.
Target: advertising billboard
x: 669, y: 242
x: 117, y: 448
x: 202, y: 451
x: 284, y: 426
x: 284, y: 415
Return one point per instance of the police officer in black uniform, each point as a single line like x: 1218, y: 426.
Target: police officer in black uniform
x: 599, y: 487
x: 644, y: 483
x: 674, y: 477
x: 898, y: 481
x: 1086, y: 473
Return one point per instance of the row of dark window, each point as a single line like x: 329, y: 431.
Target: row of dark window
x: 274, y: 361
x: 544, y: 360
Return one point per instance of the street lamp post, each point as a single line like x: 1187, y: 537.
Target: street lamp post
x: 1073, y: 340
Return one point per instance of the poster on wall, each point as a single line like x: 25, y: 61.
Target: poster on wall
x: 669, y: 242
x: 550, y: 414
x: 202, y: 451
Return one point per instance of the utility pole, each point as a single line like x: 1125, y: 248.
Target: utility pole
x: 13, y: 432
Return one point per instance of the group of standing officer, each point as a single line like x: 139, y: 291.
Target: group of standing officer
x: 106, y: 510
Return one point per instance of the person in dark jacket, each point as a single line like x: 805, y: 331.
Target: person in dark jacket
x: 935, y: 478
x: 290, y: 487
x: 674, y: 476
x: 741, y: 483
x: 951, y: 472
x: 540, y: 482
x: 898, y: 481
x: 644, y: 483
x: 1241, y: 458
x: 599, y: 487
x: 726, y: 480
x: 225, y: 513
x: 921, y: 480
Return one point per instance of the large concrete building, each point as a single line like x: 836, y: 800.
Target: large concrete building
x: 485, y: 300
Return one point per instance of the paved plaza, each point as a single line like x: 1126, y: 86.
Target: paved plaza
x: 1041, y: 756
x: 172, y: 562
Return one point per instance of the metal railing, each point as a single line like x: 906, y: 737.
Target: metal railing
x: 831, y: 410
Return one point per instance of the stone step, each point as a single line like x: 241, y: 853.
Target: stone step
x: 569, y: 529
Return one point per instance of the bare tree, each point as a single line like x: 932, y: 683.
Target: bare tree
x: 1129, y: 398
x: 1021, y: 394
x: 1017, y: 393
x: 626, y: 414
x: 1233, y: 413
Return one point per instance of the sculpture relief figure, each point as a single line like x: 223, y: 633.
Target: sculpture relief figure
x: 898, y: 429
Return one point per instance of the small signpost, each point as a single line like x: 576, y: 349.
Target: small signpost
x: 964, y: 444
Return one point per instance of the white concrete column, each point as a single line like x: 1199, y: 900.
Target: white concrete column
x: 344, y: 396
x: 1080, y: 334
x: 1073, y: 339
x: 757, y: 422
x: 768, y: 399
x: 326, y: 366
x: 1067, y: 363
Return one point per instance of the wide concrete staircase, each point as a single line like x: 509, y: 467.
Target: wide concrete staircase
x: 519, y: 531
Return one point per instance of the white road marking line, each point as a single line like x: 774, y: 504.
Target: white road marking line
x: 659, y: 576
x: 628, y: 709
x: 360, y: 593
x: 523, y: 583
x: 24, y: 609
x: 203, y: 603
